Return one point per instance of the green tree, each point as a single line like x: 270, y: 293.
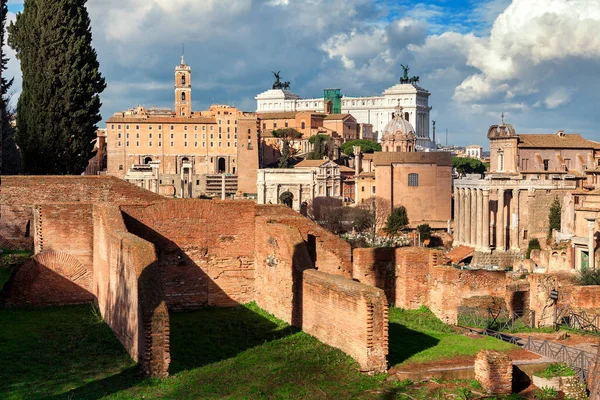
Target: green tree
x: 366, y: 146
x: 59, y: 106
x: 320, y: 147
x: 467, y: 165
x: 397, y: 221
x: 554, y: 217
x: 424, y: 232
x: 10, y: 159
x: 284, y: 160
x: 534, y: 244
x: 286, y: 135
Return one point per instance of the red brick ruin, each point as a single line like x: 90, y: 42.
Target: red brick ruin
x: 138, y: 255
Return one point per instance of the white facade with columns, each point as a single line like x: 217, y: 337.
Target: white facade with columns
x: 375, y: 110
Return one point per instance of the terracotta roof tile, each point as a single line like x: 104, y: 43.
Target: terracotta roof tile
x: 388, y: 158
x: 459, y: 253
x: 569, y: 141
x: 310, y: 163
x: 337, y: 116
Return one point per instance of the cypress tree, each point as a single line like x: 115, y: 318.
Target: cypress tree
x: 10, y: 159
x: 59, y: 106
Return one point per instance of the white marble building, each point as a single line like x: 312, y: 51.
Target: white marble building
x: 375, y: 110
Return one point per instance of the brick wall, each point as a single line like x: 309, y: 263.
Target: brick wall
x: 412, y: 277
x: 493, y: 370
x: 376, y: 267
x: 20, y: 193
x: 348, y: 315
x: 129, y: 291
x: 205, y: 249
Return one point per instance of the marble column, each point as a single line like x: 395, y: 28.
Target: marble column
x: 486, y: 221
x: 461, y: 221
x: 474, y: 211
x: 591, y: 244
x: 480, y: 226
x: 514, y: 222
x: 457, y: 211
x: 467, y: 231
x: 500, y: 223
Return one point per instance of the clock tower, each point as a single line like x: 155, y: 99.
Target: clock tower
x: 183, y: 90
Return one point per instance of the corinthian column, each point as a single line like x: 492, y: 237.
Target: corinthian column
x: 467, y: 232
x: 514, y: 223
x: 486, y: 221
x: 457, y: 211
x: 500, y: 223
x: 480, y: 226
x: 474, y: 225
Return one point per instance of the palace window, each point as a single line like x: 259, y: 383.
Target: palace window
x: 185, y: 127
x: 212, y: 128
x: 127, y: 136
x: 120, y: 167
x: 127, y: 126
x: 185, y: 135
x: 160, y: 135
x: 196, y: 127
x: 184, y: 144
x: 149, y: 127
x: 303, y: 125
x: 172, y: 143
x: 172, y: 136
x: 118, y: 126
x: 127, y: 143
x: 160, y: 127
x: 159, y: 144
x: 172, y: 127
x: 119, y: 143
x: 150, y: 143
x: 546, y: 164
x: 413, y: 179
x: 195, y: 144
x: 203, y: 127
x: 137, y: 127
x: 286, y: 124
x: 119, y: 135
x: 274, y: 124
x: 149, y: 136
x: 137, y: 135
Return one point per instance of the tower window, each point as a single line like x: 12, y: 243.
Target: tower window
x: 183, y: 79
x: 182, y: 96
x: 413, y: 179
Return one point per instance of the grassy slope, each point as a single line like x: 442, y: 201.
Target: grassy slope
x: 235, y: 353
x: 418, y: 336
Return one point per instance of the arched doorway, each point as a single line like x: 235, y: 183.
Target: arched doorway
x: 147, y: 160
x: 221, y: 165
x: 287, y: 198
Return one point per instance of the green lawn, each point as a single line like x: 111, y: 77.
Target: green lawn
x: 418, y: 336
x: 232, y: 353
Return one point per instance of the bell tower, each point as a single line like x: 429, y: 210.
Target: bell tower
x: 183, y: 89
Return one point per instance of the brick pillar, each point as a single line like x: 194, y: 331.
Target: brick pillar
x: 493, y: 370
x: 514, y: 223
x: 467, y: 208
x: 480, y: 226
x: 456, y: 233
x: 500, y: 223
x: 474, y: 225
x: 486, y: 220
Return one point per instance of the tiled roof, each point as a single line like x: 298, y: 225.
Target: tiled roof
x: 367, y: 156
x: 343, y: 168
x: 310, y: 163
x: 388, y: 158
x: 278, y: 115
x: 554, y: 141
x: 460, y: 253
x: 337, y: 116
x: 162, y: 120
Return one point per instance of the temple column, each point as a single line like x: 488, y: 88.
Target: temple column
x: 480, y: 226
x: 461, y: 221
x: 457, y: 211
x: 467, y: 231
x: 591, y: 244
x: 486, y: 221
x: 473, y: 210
x: 500, y: 223
x: 514, y: 223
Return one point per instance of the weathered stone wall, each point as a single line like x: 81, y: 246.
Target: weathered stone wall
x: 413, y: 266
x: 348, y: 315
x: 376, y: 267
x: 20, y: 193
x: 205, y: 249
x: 493, y: 369
x: 129, y: 291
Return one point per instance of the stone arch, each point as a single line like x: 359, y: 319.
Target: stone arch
x: 287, y: 198
x: 66, y: 266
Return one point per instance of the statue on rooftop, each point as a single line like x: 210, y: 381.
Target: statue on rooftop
x: 405, y: 79
x: 278, y: 84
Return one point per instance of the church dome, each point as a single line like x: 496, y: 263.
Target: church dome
x: 399, y: 134
x: 398, y: 125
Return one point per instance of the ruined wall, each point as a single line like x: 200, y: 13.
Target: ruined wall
x: 20, y: 193
x: 348, y: 315
x: 412, y: 277
x: 129, y: 291
x: 281, y: 257
x: 329, y: 252
x: 376, y: 267
x: 450, y: 287
x: 205, y: 249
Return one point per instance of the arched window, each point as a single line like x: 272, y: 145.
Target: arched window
x: 182, y: 96
x: 183, y: 79
x: 413, y: 179
x: 303, y: 125
x: 406, y: 116
x: 147, y: 160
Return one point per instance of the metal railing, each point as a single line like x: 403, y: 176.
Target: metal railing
x: 578, y: 320
x: 581, y: 361
x: 498, y: 321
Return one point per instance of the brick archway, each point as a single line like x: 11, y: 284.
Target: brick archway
x: 66, y: 266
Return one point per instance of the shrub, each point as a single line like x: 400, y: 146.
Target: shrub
x: 588, y: 277
x: 424, y: 231
x: 397, y: 221
x: 554, y: 217
x: 546, y: 393
x: 534, y: 244
x: 556, y: 369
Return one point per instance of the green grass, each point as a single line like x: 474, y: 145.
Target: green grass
x: 556, y: 369
x: 217, y: 353
x: 417, y: 336
x: 9, y: 259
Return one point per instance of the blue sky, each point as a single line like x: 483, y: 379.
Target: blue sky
x: 534, y: 60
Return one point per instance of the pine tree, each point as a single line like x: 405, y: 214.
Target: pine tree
x: 59, y: 106
x: 397, y: 221
x: 10, y: 159
x: 554, y: 217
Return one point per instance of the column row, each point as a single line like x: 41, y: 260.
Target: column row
x: 472, y: 218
